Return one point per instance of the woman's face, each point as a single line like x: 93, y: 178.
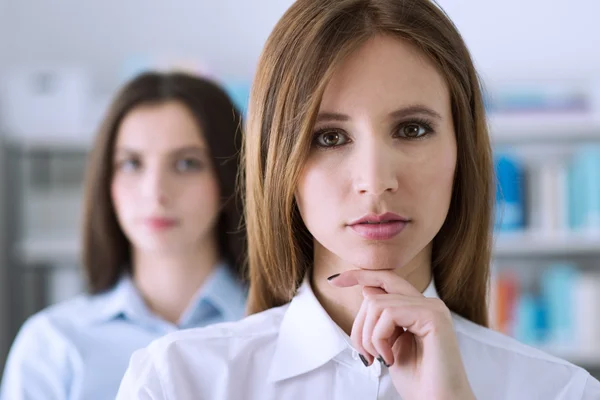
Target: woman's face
x: 377, y: 184
x: 164, y: 187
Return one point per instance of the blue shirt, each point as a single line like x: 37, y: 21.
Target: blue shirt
x: 80, y: 349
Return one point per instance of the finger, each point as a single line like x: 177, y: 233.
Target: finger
x: 385, y: 279
x: 397, y: 333
x: 356, y: 334
x: 384, y: 330
x: 403, y: 349
x: 371, y: 316
x: 419, y: 316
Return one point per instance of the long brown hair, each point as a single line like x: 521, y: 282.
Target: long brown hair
x: 305, y: 47
x: 106, y: 249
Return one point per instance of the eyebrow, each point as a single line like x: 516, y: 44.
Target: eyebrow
x: 400, y: 113
x: 178, y: 150
x: 190, y: 149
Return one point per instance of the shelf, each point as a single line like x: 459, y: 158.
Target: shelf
x: 531, y: 244
x: 49, y: 143
x: 48, y: 251
x: 542, y: 128
x: 586, y: 360
x: 56, y: 250
x: 590, y: 359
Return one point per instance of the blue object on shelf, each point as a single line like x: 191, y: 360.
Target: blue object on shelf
x: 541, y: 320
x: 557, y: 291
x: 584, y: 189
x: 509, y: 211
x: 526, y: 322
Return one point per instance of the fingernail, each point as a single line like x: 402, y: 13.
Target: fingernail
x: 381, y: 360
x: 364, y: 360
x: 333, y: 277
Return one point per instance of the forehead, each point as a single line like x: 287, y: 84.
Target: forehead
x: 161, y: 126
x: 382, y: 75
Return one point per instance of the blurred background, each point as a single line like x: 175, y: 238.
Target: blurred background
x: 61, y: 61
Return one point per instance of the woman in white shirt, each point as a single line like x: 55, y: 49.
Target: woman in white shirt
x: 369, y: 195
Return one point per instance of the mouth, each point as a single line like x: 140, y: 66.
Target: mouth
x: 379, y: 227
x: 374, y: 219
x: 160, y: 223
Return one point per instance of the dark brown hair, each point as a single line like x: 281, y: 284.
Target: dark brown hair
x: 106, y: 249
x: 307, y: 44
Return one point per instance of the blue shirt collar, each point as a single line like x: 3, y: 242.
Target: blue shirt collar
x: 222, y: 292
x: 221, y: 298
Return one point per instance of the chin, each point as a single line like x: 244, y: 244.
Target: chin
x: 375, y: 260
x: 160, y: 245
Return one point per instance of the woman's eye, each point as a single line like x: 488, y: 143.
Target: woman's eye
x: 129, y: 165
x: 414, y: 130
x: 330, y: 138
x: 188, y: 164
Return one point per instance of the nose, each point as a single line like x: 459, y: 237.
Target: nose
x: 376, y: 168
x: 154, y: 186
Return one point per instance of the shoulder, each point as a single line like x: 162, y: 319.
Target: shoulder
x: 210, y: 351
x: 202, y: 360
x: 43, y: 349
x: 492, y: 356
x: 58, y: 318
x: 478, y: 336
x: 255, y: 329
x: 59, y: 325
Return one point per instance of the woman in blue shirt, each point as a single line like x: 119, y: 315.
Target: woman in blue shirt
x: 162, y: 241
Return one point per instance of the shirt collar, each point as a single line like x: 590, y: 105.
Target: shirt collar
x: 309, y: 336
x: 115, y: 302
x: 222, y: 292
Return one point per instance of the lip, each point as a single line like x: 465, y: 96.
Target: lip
x: 159, y: 223
x: 379, y: 227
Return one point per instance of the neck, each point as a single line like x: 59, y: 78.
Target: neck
x: 343, y: 304
x: 169, y: 281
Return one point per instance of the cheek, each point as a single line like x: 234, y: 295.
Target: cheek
x: 119, y: 195
x: 212, y: 192
x: 432, y: 179
x: 438, y: 171
x: 203, y: 194
x: 319, y: 193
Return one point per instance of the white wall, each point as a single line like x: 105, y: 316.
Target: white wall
x: 507, y: 37
x: 3, y: 31
x: 531, y: 38
x: 227, y: 34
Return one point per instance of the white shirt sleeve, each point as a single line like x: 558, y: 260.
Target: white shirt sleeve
x: 142, y: 380
x: 591, y: 390
x: 37, y: 367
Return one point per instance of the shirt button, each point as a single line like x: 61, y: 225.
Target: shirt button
x: 355, y: 355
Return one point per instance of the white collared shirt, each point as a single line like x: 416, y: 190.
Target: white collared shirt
x: 297, y: 352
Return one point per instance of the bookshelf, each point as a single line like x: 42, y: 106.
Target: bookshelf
x: 540, y: 140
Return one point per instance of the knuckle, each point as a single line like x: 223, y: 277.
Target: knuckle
x: 374, y: 304
x: 366, y: 344
x: 439, y: 310
x: 386, y: 314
